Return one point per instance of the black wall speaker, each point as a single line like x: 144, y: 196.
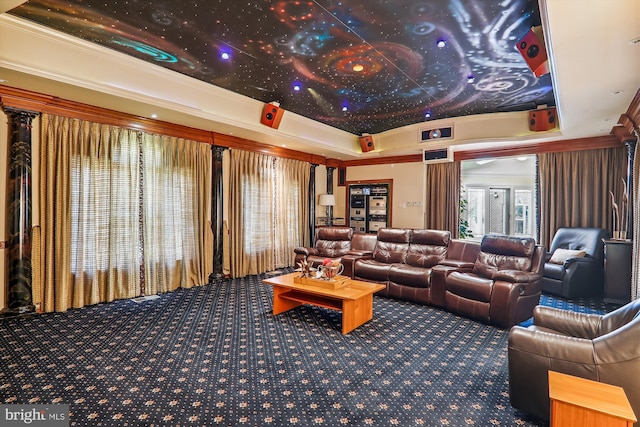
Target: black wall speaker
x: 342, y: 177
x: 366, y: 143
x: 542, y: 119
x: 534, y: 52
x: 272, y: 115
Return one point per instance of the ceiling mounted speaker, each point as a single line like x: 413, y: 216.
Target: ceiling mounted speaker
x: 366, y: 142
x: 272, y: 115
x: 445, y: 132
x: 534, y: 51
x: 542, y: 119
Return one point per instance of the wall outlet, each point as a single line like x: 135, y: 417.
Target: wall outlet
x: 4, y: 244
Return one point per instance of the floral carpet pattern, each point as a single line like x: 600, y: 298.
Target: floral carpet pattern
x: 216, y: 355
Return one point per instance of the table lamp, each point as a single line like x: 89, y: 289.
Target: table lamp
x: 328, y: 200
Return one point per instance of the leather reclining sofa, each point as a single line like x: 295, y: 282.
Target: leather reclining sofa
x: 497, y: 281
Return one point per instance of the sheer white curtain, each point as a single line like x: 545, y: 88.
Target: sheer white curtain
x: 268, y: 211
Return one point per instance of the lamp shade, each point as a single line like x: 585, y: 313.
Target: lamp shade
x: 327, y: 200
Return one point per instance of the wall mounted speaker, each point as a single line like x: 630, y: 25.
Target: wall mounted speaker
x: 437, y: 156
x: 542, y: 119
x: 366, y: 142
x: 534, y: 51
x: 272, y: 115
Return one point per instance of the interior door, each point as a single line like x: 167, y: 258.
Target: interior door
x: 499, y: 202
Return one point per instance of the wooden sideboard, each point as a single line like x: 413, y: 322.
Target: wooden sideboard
x: 578, y: 402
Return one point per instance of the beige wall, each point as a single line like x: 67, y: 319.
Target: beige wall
x: 408, y: 204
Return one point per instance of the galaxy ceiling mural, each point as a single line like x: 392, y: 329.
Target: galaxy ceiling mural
x: 361, y: 66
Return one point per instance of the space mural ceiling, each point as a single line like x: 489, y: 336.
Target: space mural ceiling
x: 357, y: 65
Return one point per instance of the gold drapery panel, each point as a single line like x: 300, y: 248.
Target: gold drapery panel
x: 443, y: 197
x: 635, y: 262
x: 268, y: 214
x: 93, y: 203
x: 574, y: 189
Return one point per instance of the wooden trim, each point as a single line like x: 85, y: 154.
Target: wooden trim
x: 42, y: 103
x: 608, y: 141
x: 629, y: 122
x: 229, y: 141
x: 411, y: 158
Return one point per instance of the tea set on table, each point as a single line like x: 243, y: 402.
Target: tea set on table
x: 327, y: 271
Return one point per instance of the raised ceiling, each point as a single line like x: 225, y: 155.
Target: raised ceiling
x: 594, y: 59
x: 359, y: 66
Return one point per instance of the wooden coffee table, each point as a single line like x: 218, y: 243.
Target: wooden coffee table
x: 355, y: 300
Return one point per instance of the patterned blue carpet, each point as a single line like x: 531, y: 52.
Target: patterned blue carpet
x: 215, y: 355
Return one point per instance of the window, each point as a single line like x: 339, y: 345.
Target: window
x: 500, y: 196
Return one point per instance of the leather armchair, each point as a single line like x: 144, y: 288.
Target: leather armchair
x: 330, y: 242
x: 576, y: 276
x: 603, y: 348
x: 502, y: 287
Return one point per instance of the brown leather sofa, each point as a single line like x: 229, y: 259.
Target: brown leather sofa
x: 415, y: 265
x: 501, y: 287
x: 402, y: 259
x: 603, y: 348
x: 335, y: 243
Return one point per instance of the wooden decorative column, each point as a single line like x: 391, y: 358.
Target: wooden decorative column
x: 18, y: 211
x: 217, y: 215
x: 330, y: 170
x: 312, y: 204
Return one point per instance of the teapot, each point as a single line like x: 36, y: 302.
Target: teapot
x: 330, y: 271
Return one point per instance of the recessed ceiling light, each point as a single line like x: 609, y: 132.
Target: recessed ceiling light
x: 154, y: 116
x: 358, y: 67
x: 635, y: 41
x: 4, y: 81
x: 441, y: 43
x: 617, y: 92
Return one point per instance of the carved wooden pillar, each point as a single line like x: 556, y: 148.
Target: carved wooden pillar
x: 312, y: 204
x: 330, y: 170
x: 18, y: 211
x: 217, y: 214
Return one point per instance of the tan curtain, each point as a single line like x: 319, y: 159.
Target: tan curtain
x: 268, y: 211
x: 90, y: 246
x: 178, y: 238
x: 635, y: 265
x: 86, y: 163
x: 292, y: 209
x: 574, y: 189
x: 443, y: 197
x: 251, y: 213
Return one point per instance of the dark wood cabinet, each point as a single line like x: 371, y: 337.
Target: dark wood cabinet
x: 617, y: 271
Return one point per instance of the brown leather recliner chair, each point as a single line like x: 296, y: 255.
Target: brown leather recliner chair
x: 603, y: 348
x: 502, y: 287
x: 330, y: 242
